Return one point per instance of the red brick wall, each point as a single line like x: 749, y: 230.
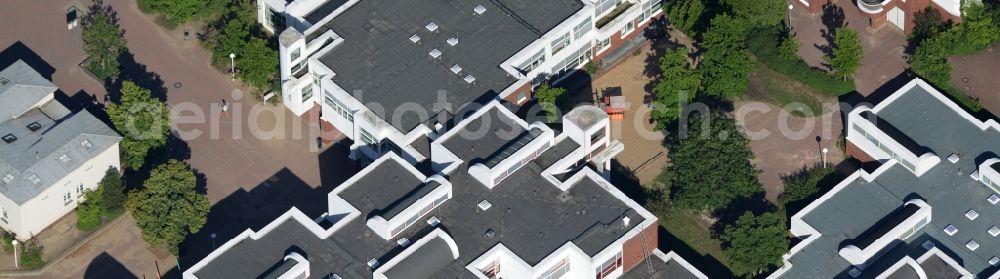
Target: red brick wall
x: 526, y: 88
x: 857, y: 153
x: 632, y: 252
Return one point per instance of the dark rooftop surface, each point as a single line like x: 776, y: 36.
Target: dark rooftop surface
x: 484, y: 136
x: 946, y: 187
x: 378, y: 58
x: 661, y: 270
x: 935, y: 267
x: 907, y: 272
x: 278, y: 270
x: 425, y: 262
x: 527, y: 215
x: 386, y: 191
x: 885, y: 225
x: 323, y: 10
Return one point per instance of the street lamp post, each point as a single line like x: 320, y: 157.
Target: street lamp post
x: 15, y: 252
x: 232, y: 62
x: 213, y: 241
x: 788, y: 17
x: 825, y: 150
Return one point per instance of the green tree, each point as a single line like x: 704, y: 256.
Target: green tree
x: 685, y: 14
x: 755, y: 242
x: 803, y: 183
x: 678, y: 84
x: 232, y: 39
x: 759, y: 12
x: 930, y: 61
x: 258, y: 65
x: 143, y: 121
x: 977, y: 30
x: 847, y: 53
x: 167, y: 209
x: 726, y: 62
x: 926, y: 24
x: 710, y: 166
x: 788, y: 50
x: 112, y: 189
x: 174, y: 11
x: 103, y: 40
x: 547, y: 96
x: 89, y: 212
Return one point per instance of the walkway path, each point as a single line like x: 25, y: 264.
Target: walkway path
x: 236, y: 158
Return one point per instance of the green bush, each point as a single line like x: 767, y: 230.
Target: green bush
x: 763, y: 43
x: 803, y: 183
x: 7, y: 238
x: 31, y: 254
x: 112, y: 191
x: 90, y: 211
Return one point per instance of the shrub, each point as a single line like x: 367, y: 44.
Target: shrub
x: 762, y: 43
x: 90, y: 211
x: 803, y: 183
x: 31, y: 254
x: 112, y: 191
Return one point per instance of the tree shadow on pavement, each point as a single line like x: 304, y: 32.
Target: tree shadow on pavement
x: 136, y: 72
x: 104, y: 266
x: 174, y: 149
x: 833, y: 18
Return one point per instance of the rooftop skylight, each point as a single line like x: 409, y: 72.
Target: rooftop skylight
x: 993, y: 199
x: 432, y: 26
x: 9, y: 138
x: 452, y: 41
x: 414, y: 38
x: 972, y: 245
x: 479, y: 9
x: 950, y: 230
x: 994, y: 261
x: 456, y: 69
x: 435, y: 53
x: 470, y: 78
x: 994, y: 231
x: 972, y: 215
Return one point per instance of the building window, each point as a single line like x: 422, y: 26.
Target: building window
x: 79, y: 190
x: 307, y: 93
x: 492, y: 271
x: 629, y: 27
x: 522, y: 96
x: 560, y: 269
x: 651, y: 8
x: 276, y: 20
x: 388, y: 145
x: 67, y: 199
x: 603, y: 44
x: 296, y: 67
x: 4, y: 216
x: 609, y: 266
x: 533, y: 62
x: 604, y: 6
x: 366, y: 137
x: 560, y: 43
x: 337, y: 106
x: 296, y: 54
x: 597, y: 136
x: 582, y: 28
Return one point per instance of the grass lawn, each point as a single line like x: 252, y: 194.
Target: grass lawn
x: 799, y: 99
x: 689, y: 228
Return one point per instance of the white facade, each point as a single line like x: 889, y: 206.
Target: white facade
x: 567, y: 46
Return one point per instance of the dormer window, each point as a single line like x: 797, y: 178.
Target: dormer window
x: 8, y: 178
x: 65, y: 158
x: 34, y: 126
x: 34, y: 179
x: 9, y: 138
x: 86, y: 145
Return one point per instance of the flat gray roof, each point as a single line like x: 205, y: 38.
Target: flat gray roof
x: 946, y: 187
x: 386, y: 191
x: 661, y: 270
x: 482, y: 137
x: 20, y: 88
x: 378, y: 58
x: 528, y: 216
x: 425, y: 262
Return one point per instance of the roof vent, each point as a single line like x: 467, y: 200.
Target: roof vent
x: 484, y: 205
x: 626, y: 220
x: 489, y: 234
x: 433, y: 221
x: 4, y: 81
x: 373, y: 263
x: 470, y: 78
x: 9, y: 138
x: 452, y: 41
x: 414, y: 38
x: 432, y: 26
x: 435, y: 53
x: 953, y: 158
x: 563, y: 197
x: 34, y: 126
x: 456, y: 69
x: 403, y: 242
x: 479, y: 9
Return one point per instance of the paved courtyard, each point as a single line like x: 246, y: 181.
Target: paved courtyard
x: 976, y: 75
x: 230, y: 153
x: 884, y: 47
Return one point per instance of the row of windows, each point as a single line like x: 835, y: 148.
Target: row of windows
x: 517, y: 166
x: 609, y: 266
x: 338, y: 107
x: 422, y: 213
x: 905, y: 163
x: 556, y: 271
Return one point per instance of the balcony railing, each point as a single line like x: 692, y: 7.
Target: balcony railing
x: 621, y: 8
